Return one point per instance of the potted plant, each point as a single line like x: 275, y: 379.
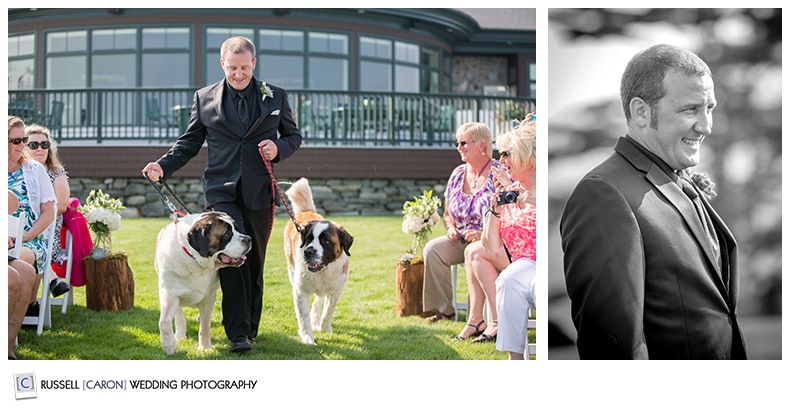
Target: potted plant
x: 420, y: 216
x: 109, y: 283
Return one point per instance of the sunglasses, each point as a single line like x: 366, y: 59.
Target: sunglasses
x: 33, y: 145
x: 17, y: 141
x: 504, y: 154
x: 463, y: 143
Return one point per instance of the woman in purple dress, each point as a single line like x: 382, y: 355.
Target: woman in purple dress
x: 468, y: 194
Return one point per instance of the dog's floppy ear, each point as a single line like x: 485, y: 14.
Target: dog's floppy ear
x: 346, y: 240
x: 198, y: 239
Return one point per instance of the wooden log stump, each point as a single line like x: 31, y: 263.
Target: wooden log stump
x: 408, y: 281
x: 109, y: 283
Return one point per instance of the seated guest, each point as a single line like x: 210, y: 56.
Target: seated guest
x: 482, y: 269
x: 21, y: 278
x: 30, y: 183
x: 43, y: 149
x: 514, y: 226
x: 469, y: 189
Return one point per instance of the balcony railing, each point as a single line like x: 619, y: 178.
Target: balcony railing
x: 325, y: 118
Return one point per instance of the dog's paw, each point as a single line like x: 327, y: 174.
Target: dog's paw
x: 205, y: 346
x: 308, y: 340
x: 170, y: 348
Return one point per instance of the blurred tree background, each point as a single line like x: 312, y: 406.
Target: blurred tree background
x: 743, y: 48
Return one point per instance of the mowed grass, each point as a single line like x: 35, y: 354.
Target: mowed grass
x: 365, y: 326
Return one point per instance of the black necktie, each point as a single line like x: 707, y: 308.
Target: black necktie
x: 707, y: 224
x: 241, y: 108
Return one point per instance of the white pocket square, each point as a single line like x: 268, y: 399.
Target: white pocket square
x: 277, y: 112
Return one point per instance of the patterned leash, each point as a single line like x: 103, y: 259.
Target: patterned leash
x: 175, y: 211
x: 276, y: 188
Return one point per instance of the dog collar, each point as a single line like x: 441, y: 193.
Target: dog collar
x: 187, y: 251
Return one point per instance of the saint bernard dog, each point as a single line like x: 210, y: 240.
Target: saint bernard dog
x: 317, y: 260
x: 189, y: 253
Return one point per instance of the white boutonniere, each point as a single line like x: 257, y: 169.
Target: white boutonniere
x: 266, y: 91
x: 703, y: 182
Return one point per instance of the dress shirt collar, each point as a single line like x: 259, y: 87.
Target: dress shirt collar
x: 654, y: 158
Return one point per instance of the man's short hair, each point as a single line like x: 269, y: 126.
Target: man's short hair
x: 237, y: 45
x: 644, y: 75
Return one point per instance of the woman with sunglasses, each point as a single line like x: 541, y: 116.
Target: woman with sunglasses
x: 28, y: 179
x: 512, y: 223
x: 468, y: 193
x: 43, y: 150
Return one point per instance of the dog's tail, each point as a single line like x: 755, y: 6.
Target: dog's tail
x: 301, y: 196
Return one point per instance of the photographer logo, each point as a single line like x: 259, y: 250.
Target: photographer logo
x: 25, y: 385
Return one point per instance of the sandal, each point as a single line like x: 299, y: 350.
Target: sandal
x: 484, y: 338
x: 439, y: 316
x: 477, y: 332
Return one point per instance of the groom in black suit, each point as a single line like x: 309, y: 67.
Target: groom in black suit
x: 650, y: 267
x: 239, y: 118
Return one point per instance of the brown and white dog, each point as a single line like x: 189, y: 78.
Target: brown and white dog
x: 189, y: 253
x: 317, y: 260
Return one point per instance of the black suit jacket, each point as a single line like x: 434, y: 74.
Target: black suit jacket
x: 639, y: 269
x: 233, y: 152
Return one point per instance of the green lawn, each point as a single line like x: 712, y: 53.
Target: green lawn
x: 364, y: 327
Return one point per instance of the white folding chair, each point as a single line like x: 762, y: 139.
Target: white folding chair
x: 457, y: 305
x: 44, y: 318
x: 532, y: 348
x: 68, y: 298
x: 16, y: 229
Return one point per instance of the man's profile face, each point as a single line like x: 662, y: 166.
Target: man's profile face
x: 684, y: 119
x: 238, y: 68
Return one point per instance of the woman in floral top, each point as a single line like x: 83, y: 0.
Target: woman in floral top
x: 29, y: 181
x: 468, y: 194
x: 514, y: 226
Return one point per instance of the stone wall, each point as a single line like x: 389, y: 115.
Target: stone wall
x: 472, y: 73
x: 332, y: 196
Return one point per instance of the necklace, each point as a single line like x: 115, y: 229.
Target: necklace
x: 474, y: 181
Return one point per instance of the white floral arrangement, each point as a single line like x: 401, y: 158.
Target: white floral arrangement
x: 103, y: 214
x: 419, y: 217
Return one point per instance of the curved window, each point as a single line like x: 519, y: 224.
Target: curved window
x: 386, y: 65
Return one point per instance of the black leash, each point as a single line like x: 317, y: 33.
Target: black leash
x: 176, y: 212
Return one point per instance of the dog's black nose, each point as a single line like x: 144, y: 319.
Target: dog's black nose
x: 309, y: 253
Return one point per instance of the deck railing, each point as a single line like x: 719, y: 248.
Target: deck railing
x: 326, y: 118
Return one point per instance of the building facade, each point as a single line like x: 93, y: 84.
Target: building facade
x: 419, y: 73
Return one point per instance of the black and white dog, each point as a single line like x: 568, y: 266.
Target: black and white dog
x: 189, y: 253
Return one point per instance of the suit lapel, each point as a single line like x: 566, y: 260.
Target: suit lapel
x: 680, y: 201
x: 674, y: 194
x: 263, y: 104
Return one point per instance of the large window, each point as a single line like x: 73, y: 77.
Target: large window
x: 21, y: 60
x: 67, y: 59
x: 113, y: 62
x: 327, y: 61
x: 375, y: 64
x: 166, y: 57
x: 387, y: 65
x: 281, y: 58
